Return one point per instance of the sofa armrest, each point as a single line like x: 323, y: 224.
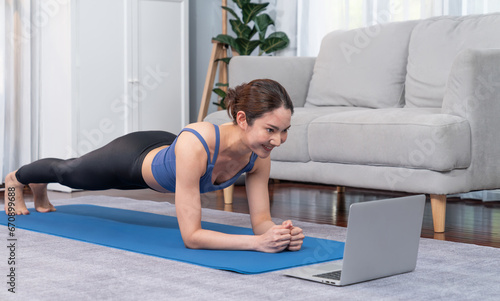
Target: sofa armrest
x: 294, y: 73
x: 473, y: 92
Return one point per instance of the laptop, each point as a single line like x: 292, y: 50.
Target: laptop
x: 382, y: 240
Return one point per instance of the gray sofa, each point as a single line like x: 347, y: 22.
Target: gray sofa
x: 406, y: 106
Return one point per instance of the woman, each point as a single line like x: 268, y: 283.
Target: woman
x: 204, y: 157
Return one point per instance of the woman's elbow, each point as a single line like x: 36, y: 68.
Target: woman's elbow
x: 191, y: 242
x: 191, y: 245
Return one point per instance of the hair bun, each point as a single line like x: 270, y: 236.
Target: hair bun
x: 256, y: 98
x: 231, y: 100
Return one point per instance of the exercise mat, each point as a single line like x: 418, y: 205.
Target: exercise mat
x: 159, y: 235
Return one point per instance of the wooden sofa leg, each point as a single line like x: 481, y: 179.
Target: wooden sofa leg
x: 228, y: 194
x: 438, y: 204
x: 340, y: 189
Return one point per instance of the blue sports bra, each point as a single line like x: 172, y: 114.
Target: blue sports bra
x: 163, y: 165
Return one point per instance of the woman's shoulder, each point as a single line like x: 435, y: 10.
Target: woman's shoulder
x: 189, y: 142
x: 207, y: 131
x: 200, y: 126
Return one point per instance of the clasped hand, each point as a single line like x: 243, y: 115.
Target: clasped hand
x: 281, y: 237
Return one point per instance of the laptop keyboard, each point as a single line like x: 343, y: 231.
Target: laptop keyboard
x: 330, y: 275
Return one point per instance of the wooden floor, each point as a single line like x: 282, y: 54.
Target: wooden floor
x: 467, y: 221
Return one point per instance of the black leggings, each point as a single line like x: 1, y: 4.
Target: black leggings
x: 117, y: 165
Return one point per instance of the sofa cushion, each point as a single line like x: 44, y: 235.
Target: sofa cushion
x: 434, y: 44
x: 364, y: 67
x: 296, y: 146
x: 409, y: 138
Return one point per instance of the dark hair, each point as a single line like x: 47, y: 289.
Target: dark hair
x: 256, y: 98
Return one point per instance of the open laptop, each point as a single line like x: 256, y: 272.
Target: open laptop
x: 382, y: 240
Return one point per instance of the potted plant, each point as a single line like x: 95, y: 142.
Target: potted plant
x: 253, y: 21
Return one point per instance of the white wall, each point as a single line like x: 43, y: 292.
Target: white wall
x: 205, y: 22
x: 56, y: 103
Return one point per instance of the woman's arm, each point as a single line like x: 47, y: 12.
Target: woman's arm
x: 191, y: 163
x: 258, y: 200
x: 256, y: 182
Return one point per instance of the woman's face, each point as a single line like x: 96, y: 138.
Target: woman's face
x: 269, y: 131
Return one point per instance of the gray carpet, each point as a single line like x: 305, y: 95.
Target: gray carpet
x: 55, y: 268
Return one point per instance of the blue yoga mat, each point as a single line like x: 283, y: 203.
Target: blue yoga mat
x: 159, y: 235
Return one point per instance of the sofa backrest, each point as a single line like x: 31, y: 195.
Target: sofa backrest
x: 364, y: 67
x: 396, y: 64
x: 244, y: 69
x: 434, y: 44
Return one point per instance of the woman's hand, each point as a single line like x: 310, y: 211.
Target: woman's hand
x: 281, y: 237
x: 274, y: 240
x: 296, y: 236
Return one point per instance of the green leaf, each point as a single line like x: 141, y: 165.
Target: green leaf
x: 221, y: 104
x: 222, y: 94
x: 250, y: 10
x: 224, y: 59
x: 252, y: 33
x: 219, y: 92
x: 262, y: 22
x: 221, y: 85
x: 243, y: 43
x: 246, y: 47
x: 236, y: 48
x: 274, y: 42
x: 241, y: 30
x: 241, y: 3
x: 226, y: 39
x: 231, y: 11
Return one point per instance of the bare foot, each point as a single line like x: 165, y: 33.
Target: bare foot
x: 14, y: 197
x: 42, y: 203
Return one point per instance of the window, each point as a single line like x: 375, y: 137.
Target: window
x: 306, y: 22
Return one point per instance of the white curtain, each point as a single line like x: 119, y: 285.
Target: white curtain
x: 18, y: 86
x: 306, y: 22
x: 2, y: 85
